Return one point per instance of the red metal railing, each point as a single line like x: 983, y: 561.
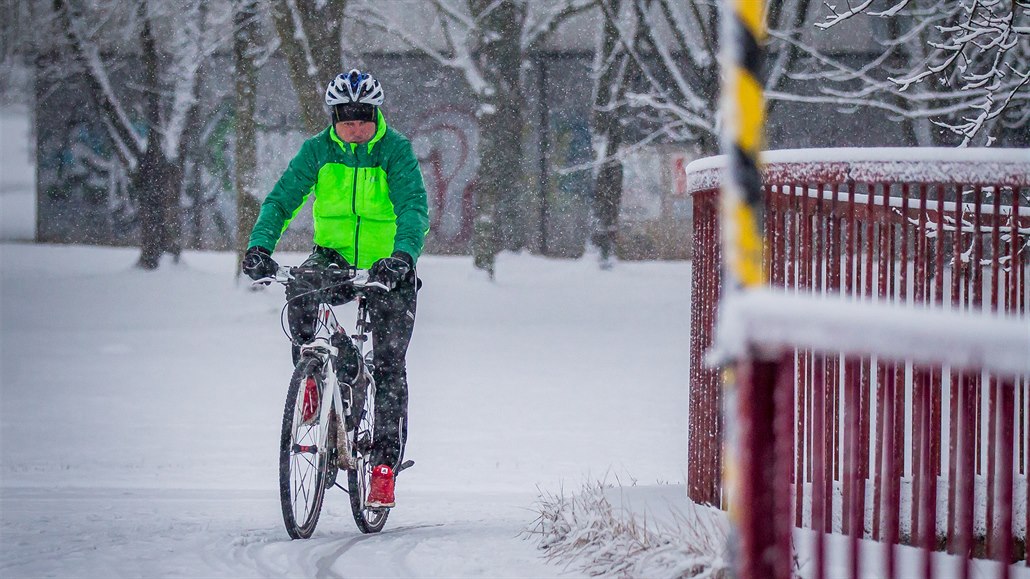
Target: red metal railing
x: 884, y: 448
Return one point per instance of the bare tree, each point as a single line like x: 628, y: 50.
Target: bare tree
x: 246, y: 31
x: 612, y: 68
x: 672, y: 46
x: 489, y: 42
x: 656, y: 69
x: 964, y: 65
x: 309, y: 33
x: 167, y: 78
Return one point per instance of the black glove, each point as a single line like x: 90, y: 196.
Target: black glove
x: 390, y: 271
x: 258, y: 263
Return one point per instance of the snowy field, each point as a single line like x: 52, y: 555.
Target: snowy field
x: 140, y: 414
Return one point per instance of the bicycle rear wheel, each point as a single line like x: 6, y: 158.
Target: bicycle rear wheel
x: 304, y: 455
x: 359, y: 478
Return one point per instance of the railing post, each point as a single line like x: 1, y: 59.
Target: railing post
x: 704, y: 433
x: 764, y: 538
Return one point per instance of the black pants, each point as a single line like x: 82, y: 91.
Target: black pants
x: 392, y: 319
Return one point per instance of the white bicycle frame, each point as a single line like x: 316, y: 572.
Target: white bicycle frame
x: 321, y: 346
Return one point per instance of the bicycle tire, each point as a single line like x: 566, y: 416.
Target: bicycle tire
x: 292, y: 461
x: 358, y: 477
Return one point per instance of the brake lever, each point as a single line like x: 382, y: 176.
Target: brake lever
x: 282, y: 275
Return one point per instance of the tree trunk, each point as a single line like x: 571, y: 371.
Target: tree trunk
x: 247, y: 206
x: 609, y: 70
x: 500, y: 179
x: 172, y: 189
x: 156, y: 187
x: 152, y: 182
x: 310, y: 37
x: 485, y: 238
x: 607, y: 200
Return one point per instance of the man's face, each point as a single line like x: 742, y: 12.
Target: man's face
x: 355, y: 131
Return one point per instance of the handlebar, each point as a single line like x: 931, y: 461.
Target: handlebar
x: 323, y: 277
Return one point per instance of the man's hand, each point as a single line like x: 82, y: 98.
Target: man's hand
x: 391, y: 270
x: 258, y: 263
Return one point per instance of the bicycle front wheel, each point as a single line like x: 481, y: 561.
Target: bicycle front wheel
x: 360, y: 476
x: 304, y: 454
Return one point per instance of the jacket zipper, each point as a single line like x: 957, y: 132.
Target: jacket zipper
x: 354, y: 208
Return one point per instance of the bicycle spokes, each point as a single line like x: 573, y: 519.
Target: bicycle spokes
x: 304, y: 455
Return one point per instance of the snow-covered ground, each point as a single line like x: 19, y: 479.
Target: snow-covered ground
x: 140, y: 412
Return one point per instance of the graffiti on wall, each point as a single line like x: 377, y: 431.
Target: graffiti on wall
x: 84, y: 192
x: 84, y: 186
x: 445, y: 140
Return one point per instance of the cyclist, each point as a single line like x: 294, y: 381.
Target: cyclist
x: 370, y: 211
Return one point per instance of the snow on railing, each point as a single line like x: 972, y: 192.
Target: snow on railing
x: 1009, y: 167
x: 962, y: 340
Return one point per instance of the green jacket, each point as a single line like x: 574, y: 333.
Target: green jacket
x: 369, y: 198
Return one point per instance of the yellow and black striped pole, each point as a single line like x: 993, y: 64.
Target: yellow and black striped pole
x: 761, y: 527
x: 743, y: 118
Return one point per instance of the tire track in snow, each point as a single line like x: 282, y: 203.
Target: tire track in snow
x: 325, y: 564
x: 271, y: 556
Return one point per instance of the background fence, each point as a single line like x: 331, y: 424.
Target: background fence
x: 887, y: 447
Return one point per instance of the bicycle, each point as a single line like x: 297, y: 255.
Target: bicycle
x: 313, y: 451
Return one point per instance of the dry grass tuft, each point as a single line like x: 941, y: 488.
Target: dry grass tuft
x: 584, y: 531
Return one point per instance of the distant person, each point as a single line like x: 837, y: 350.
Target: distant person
x: 370, y: 211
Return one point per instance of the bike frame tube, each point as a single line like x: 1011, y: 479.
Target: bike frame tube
x: 322, y: 347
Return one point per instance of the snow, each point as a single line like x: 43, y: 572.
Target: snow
x: 931, y: 336
x: 634, y: 531
x: 653, y: 531
x: 880, y: 164
x: 980, y: 492
x: 140, y: 413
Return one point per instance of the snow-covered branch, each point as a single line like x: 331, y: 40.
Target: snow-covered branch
x: 88, y: 51
x: 962, y: 64
x: 839, y: 17
x: 672, y: 90
x: 543, y: 22
x: 185, y: 46
x: 456, y: 24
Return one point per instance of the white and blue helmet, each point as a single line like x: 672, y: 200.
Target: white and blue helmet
x: 354, y: 87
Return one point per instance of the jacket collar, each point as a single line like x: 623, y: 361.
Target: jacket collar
x: 380, y: 131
